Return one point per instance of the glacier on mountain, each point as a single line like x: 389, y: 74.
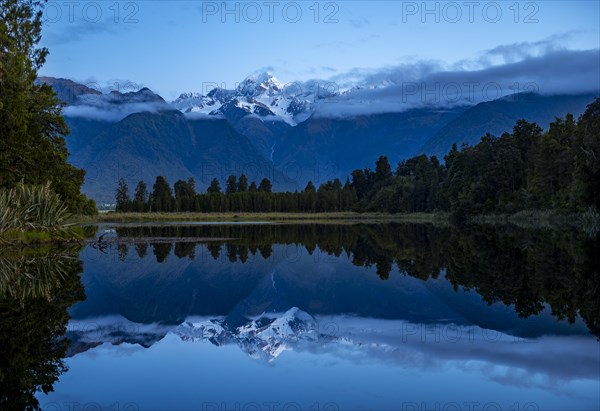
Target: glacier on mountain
x: 262, y: 95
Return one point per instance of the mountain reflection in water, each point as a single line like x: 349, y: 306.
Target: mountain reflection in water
x: 371, y: 299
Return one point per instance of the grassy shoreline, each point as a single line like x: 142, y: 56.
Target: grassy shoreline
x: 74, y: 231
x: 269, y: 217
x: 42, y: 237
x: 588, y: 221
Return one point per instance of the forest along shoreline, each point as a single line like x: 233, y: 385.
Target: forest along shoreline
x: 588, y: 222
x: 526, y: 177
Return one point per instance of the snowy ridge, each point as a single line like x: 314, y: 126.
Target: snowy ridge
x: 263, y: 338
x: 266, y: 337
x: 262, y: 95
x: 197, y: 103
x: 364, y: 340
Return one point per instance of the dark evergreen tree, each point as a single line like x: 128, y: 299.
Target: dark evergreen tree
x: 214, y: 187
x: 185, y: 191
x: 348, y: 196
x: 231, y: 185
x: 364, y: 183
x: 242, y: 186
x: 551, y: 179
x: 32, y: 129
x: 383, y: 170
x: 162, y: 196
x: 140, y: 199
x: 122, y: 197
x: 586, y: 189
x: 265, y: 186
x: 191, y: 186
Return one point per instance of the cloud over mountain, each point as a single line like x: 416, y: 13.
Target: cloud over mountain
x: 115, y: 106
x: 543, y: 69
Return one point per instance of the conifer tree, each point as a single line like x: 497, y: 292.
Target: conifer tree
x: 32, y: 129
x: 242, y: 186
x: 231, y: 185
x: 214, y: 187
x: 162, y: 196
x: 265, y: 186
x: 122, y: 197
x: 140, y: 197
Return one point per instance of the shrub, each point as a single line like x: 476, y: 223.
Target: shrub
x: 32, y: 207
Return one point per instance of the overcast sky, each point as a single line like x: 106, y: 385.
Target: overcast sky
x: 177, y: 46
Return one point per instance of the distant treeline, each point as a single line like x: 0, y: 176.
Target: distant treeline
x: 238, y: 196
x: 524, y: 170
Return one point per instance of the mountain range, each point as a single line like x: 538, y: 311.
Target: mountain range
x: 290, y: 134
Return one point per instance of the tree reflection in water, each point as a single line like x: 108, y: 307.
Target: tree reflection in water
x: 526, y: 268
x: 37, y: 287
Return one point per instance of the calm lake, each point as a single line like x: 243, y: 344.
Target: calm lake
x: 318, y: 317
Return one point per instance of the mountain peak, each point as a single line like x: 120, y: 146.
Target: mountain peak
x: 67, y: 90
x: 188, y: 95
x: 264, y: 338
x: 260, y: 94
x: 144, y: 95
x: 265, y: 76
x: 259, y: 83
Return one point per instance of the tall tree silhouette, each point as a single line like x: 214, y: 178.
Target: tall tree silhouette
x: 32, y: 129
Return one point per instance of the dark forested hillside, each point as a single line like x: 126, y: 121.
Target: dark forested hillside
x: 235, y: 141
x: 320, y: 149
x: 527, y: 169
x: 147, y: 144
x: 499, y: 116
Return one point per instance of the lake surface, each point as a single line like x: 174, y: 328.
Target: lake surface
x: 317, y: 317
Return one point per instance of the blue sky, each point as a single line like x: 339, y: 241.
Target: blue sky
x: 177, y: 46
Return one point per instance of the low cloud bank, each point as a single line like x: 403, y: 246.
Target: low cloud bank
x: 429, y: 84
x: 114, y: 107
x: 541, y: 67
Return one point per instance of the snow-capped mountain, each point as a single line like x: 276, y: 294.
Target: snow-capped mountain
x: 263, y: 338
x: 198, y: 103
x: 262, y: 95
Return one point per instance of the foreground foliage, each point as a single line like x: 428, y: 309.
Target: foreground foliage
x: 31, y: 214
x: 31, y: 207
x: 32, y: 129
